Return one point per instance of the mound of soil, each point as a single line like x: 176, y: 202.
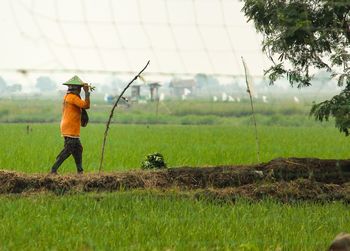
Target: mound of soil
x: 284, y: 179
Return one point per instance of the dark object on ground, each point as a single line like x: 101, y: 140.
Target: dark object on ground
x: 153, y: 161
x: 340, y: 243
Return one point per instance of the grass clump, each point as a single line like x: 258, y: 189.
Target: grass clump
x: 154, y: 161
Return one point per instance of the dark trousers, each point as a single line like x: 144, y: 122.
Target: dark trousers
x: 71, y: 146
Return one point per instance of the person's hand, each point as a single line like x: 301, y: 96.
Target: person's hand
x: 86, y: 87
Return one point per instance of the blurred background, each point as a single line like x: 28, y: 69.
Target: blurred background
x: 195, y: 49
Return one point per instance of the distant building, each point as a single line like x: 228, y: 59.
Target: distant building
x: 181, y: 87
x: 153, y: 88
x: 135, y: 92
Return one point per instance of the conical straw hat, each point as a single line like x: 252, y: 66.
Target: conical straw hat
x: 74, y: 81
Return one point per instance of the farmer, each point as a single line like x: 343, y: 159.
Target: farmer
x: 71, y: 121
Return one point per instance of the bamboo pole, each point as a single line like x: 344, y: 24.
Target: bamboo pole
x: 111, y: 115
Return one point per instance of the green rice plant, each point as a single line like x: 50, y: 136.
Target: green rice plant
x: 189, y: 145
x: 164, y: 221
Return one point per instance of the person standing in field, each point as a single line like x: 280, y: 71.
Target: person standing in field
x: 71, y: 122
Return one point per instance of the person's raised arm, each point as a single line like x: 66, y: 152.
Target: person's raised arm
x: 87, y: 94
x: 83, y: 103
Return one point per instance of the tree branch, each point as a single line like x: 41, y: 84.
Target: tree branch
x: 111, y: 114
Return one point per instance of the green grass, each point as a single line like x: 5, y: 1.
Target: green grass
x: 153, y: 221
x: 127, y: 145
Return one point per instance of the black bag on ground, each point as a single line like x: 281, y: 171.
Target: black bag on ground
x: 84, y: 118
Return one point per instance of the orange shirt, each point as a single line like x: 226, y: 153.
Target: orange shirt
x: 70, y: 123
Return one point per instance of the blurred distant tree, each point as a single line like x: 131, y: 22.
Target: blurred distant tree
x: 14, y: 88
x: 305, y: 35
x: 205, y: 81
x: 45, y: 84
x: 323, y: 78
x: 112, y: 86
x: 3, y: 85
x: 117, y: 83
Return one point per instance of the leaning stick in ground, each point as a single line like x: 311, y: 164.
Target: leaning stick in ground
x: 111, y: 114
x: 252, y: 106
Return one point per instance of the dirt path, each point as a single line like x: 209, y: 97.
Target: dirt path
x: 287, y: 180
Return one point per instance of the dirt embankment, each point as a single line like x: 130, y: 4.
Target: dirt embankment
x: 287, y: 180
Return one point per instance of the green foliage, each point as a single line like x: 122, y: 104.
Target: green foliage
x: 303, y: 33
x: 154, y: 161
x: 307, y: 34
x: 337, y: 107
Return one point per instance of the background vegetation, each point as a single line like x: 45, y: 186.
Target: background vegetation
x: 191, y: 112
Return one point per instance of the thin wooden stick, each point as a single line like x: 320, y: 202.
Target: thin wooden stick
x: 111, y: 115
x: 253, y: 113
x: 157, y: 106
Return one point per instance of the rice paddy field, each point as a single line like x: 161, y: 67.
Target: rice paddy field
x: 175, y: 219
x: 127, y: 145
x: 154, y: 221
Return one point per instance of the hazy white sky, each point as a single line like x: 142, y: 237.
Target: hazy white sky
x: 178, y: 36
